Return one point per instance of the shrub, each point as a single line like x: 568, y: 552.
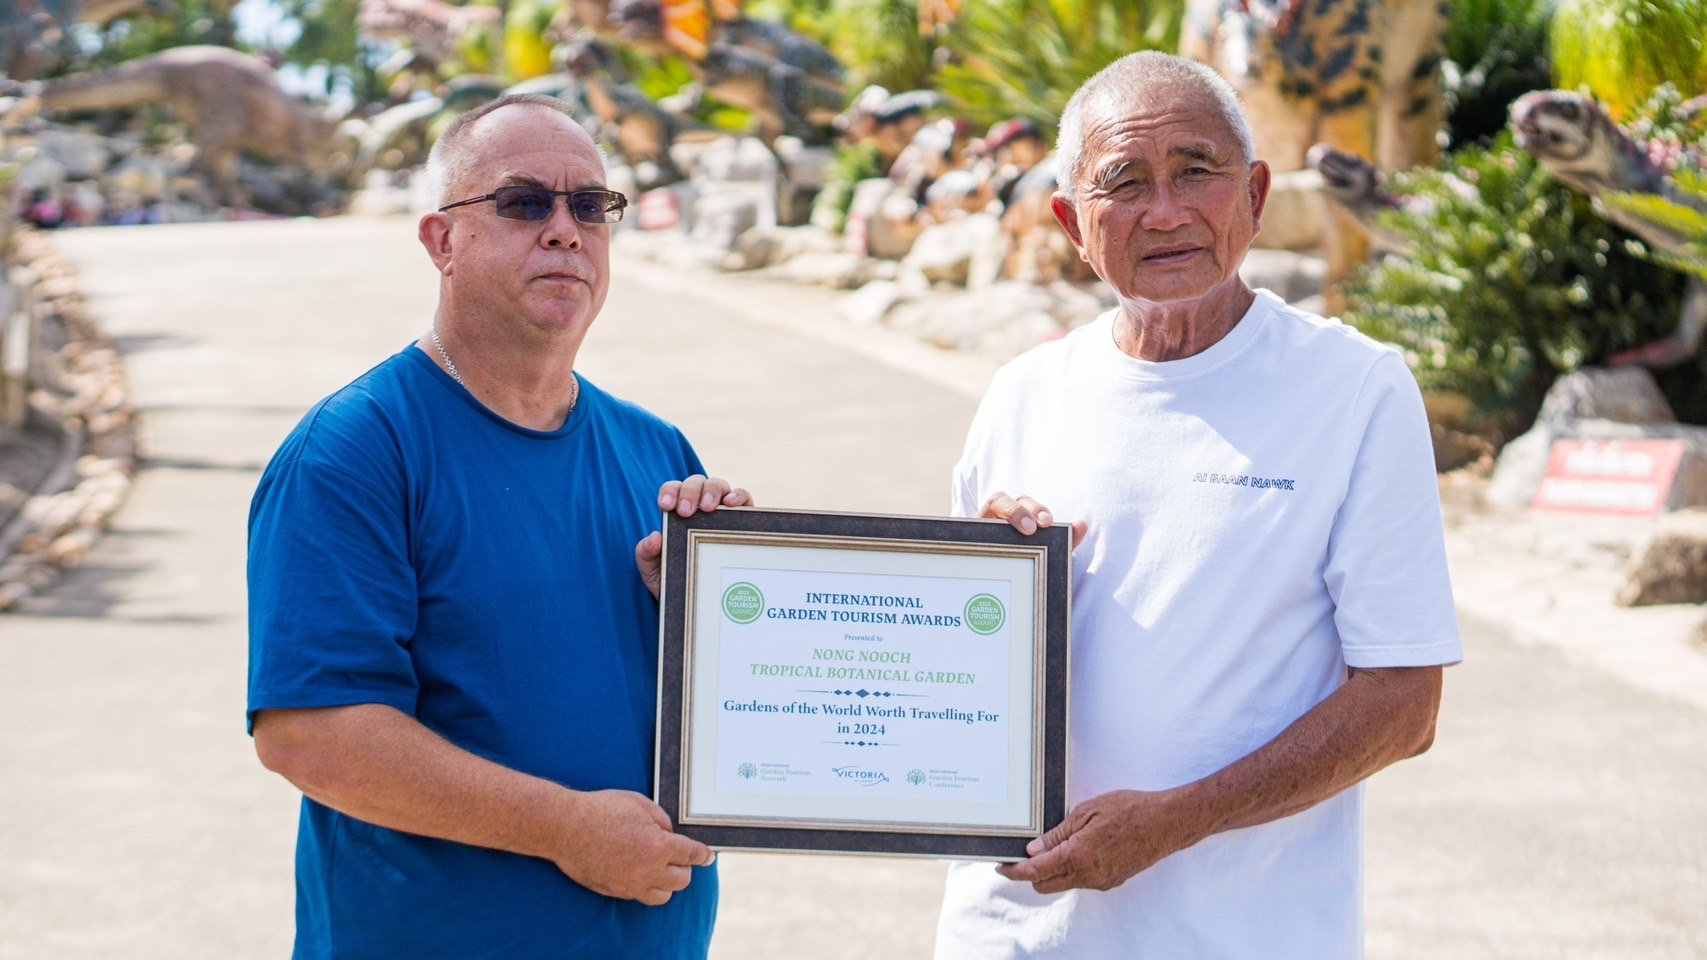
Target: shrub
x: 1509, y: 287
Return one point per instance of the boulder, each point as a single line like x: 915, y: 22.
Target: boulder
x: 82, y: 155
x: 1292, y: 276
x: 1623, y: 394
x: 736, y: 158
x: 1292, y: 218
x: 1598, y: 403
x: 869, y: 304
x: 1672, y: 568
x: 943, y: 253
x: 1005, y: 318
x: 769, y: 246
x: 837, y: 269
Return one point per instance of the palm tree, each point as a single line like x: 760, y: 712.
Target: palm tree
x: 1621, y: 49
x: 1026, y: 57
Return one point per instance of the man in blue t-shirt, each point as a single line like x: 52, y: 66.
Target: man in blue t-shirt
x: 453, y: 575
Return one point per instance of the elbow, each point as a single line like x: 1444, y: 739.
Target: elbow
x: 286, y: 743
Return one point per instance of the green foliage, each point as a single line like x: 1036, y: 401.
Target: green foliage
x: 1506, y: 290
x: 1621, y: 49
x: 188, y: 22
x: 328, y: 39
x: 1024, y: 58
x: 852, y: 164
x: 1496, y: 51
x: 1686, y: 219
x: 878, y: 41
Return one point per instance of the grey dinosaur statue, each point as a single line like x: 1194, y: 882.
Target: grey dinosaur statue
x: 1577, y: 142
x: 639, y: 129
x: 789, y: 84
x: 1359, y: 189
x: 231, y: 102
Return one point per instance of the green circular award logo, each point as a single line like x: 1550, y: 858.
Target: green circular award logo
x: 985, y: 614
x: 743, y: 602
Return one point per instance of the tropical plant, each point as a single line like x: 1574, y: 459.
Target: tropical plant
x: 1687, y: 219
x: 1621, y: 49
x: 877, y: 40
x: 1509, y: 284
x: 1024, y: 58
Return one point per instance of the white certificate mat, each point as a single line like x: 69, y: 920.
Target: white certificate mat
x: 862, y: 691
x: 862, y: 684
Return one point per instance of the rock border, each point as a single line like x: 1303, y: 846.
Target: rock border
x: 79, y: 386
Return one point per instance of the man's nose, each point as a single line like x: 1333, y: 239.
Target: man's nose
x: 561, y: 228
x: 1166, y: 209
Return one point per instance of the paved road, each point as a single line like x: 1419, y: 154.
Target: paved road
x: 1562, y: 812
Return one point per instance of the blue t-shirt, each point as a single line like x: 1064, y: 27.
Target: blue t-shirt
x: 409, y: 547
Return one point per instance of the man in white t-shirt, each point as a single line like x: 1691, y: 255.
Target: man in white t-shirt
x: 1260, y: 600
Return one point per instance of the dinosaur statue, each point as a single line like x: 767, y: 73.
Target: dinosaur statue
x: 1362, y: 75
x: 641, y: 131
x: 1359, y: 188
x: 886, y: 121
x: 1578, y: 143
x: 788, y: 83
x: 231, y: 102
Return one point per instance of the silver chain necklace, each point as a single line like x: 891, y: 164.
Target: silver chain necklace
x: 574, y: 383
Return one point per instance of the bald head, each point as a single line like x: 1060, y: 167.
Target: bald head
x: 451, y: 159
x: 1142, y: 78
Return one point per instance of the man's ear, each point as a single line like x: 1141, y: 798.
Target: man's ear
x: 1261, y: 181
x: 434, y: 233
x: 1067, y: 216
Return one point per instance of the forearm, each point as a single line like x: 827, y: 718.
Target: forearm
x: 379, y: 765
x: 1376, y: 718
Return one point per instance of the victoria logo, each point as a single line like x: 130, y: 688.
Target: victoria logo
x: 864, y: 777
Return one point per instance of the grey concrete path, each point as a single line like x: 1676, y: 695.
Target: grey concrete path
x: 1563, y: 811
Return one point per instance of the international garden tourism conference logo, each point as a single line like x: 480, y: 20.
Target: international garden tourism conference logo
x: 747, y: 771
x: 985, y: 614
x: 916, y: 777
x: 743, y: 602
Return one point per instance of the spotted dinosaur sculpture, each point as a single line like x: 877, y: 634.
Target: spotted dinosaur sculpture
x: 1361, y: 75
x: 789, y: 84
x: 1578, y: 143
x: 231, y: 102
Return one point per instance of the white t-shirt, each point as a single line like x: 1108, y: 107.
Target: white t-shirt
x: 1262, y: 515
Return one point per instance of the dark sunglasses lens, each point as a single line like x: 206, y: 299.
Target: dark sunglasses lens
x: 596, y: 206
x: 523, y: 203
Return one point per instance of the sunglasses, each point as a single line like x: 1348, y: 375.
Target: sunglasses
x: 536, y: 203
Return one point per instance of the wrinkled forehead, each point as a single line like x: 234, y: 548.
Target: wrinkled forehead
x: 1120, y: 121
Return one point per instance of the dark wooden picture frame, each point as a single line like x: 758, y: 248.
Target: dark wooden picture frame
x: 939, y: 537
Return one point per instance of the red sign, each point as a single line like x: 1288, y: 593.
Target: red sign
x: 1624, y: 477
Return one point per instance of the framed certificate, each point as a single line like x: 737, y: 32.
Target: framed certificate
x: 853, y: 683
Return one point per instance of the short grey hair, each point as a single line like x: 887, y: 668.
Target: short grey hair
x: 448, y: 162
x: 1127, y: 79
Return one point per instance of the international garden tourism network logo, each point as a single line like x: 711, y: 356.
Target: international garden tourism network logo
x: 747, y: 771
x: 985, y: 614
x: 916, y: 777
x: 743, y: 602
